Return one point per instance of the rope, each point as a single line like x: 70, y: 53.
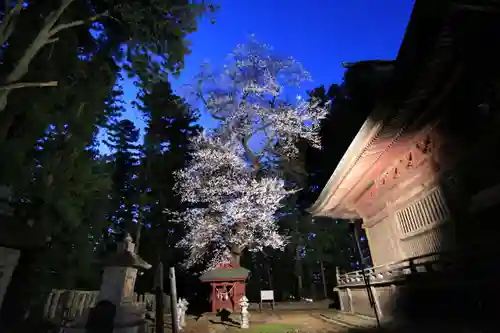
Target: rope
x: 224, y: 295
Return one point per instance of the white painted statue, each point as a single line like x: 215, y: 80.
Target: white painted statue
x: 182, y: 306
x: 244, y: 312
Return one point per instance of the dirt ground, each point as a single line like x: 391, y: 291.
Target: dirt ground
x: 266, y: 322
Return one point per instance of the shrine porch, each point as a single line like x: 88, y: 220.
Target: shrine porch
x: 438, y: 289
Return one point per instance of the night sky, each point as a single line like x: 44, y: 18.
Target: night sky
x: 319, y: 33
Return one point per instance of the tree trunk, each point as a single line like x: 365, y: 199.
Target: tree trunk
x: 235, y: 255
x: 300, y: 287
x: 269, y: 275
x: 235, y: 248
x: 298, y: 272
x: 138, y: 236
x: 323, y: 279
x: 312, y: 294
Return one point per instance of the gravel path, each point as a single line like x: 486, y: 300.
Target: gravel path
x: 295, y: 321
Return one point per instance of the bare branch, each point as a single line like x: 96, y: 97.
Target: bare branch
x: 272, y: 102
x: 52, y: 40
x: 52, y: 18
x: 253, y: 158
x: 22, y: 65
x: 250, y: 154
x: 204, y: 101
x: 218, y: 117
x: 9, y: 20
x: 19, y: 85
x: 76, y: 23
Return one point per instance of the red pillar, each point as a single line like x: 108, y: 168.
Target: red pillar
x: 214, y: 298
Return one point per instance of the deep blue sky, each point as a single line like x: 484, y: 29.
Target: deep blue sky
x: 319, y: 33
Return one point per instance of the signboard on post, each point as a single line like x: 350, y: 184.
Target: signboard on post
x: 267, y: 295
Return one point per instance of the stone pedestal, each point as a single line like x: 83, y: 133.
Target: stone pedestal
x: 116, y: 310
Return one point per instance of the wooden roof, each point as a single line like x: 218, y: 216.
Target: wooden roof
x: 225, y: 274
x: 422, y: 69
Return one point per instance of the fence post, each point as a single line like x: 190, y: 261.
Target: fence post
x: 159, y: 299
x: 173, y: 300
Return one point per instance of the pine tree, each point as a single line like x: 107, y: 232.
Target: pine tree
x: 170, y: 124
x: 122, y: 140
x: 56, y: 177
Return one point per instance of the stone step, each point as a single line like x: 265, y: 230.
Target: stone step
x: 347, y: 319
x: 365, y: 323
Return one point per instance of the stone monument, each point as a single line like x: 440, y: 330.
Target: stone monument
x: 115, y: 310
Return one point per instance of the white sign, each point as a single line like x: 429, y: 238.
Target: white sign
x: 267, y: 295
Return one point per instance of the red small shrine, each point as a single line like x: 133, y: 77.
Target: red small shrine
x: 228, y: 286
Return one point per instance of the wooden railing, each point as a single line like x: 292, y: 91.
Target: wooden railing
x: 394, y: 271
x: 438, y: 261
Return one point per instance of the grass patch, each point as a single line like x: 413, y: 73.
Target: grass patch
x: 269, y: 328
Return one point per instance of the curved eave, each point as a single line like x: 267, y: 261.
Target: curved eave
x: 330, y: 201
x: 126, y: 259
x: 235, y: 279
x: 324, y: 205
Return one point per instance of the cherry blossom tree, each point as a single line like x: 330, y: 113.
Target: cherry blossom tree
x: 232, y: 185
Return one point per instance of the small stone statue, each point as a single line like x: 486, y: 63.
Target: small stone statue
x: 244, y: 312
x: 182, y: 307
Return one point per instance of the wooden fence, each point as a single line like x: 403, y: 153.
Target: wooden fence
x: 68, y: 304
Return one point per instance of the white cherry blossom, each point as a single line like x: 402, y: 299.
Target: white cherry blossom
x: 232, y: 199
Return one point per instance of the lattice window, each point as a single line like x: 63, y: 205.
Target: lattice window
x: 424, y: 212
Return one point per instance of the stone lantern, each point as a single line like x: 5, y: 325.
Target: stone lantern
x: 120, y: 273
x: 116, y: 310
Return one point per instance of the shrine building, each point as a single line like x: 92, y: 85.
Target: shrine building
x: 422, y: 173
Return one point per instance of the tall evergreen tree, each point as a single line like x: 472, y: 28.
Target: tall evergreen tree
x: 48, y: 136
x: 170, y: 123
x: 56, y: 177
x: 123, y: 138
